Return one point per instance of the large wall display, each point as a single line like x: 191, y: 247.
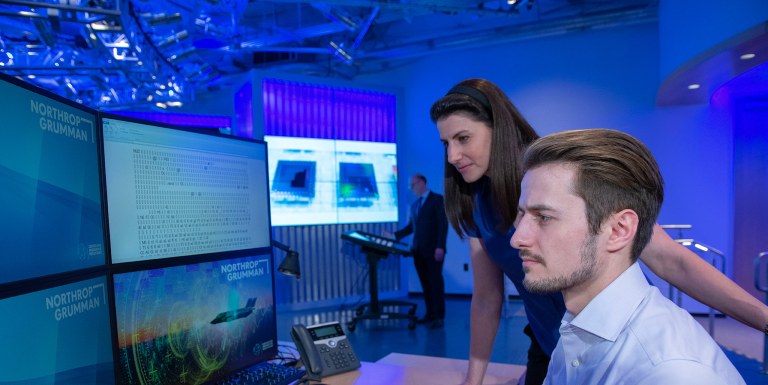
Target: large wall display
x: 323, y: 181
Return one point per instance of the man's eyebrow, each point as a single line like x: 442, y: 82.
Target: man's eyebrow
x: 536, y: 208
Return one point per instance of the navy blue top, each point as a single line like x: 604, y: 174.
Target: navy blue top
x: 544, y: 311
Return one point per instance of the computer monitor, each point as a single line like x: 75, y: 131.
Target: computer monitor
x: 357, y: 184
x: 344, y: 181
x: 194, y: 323
x: 300, y: 206
x: 173, y: 192
x: 50, y: 201
x: 57, y: 335
x: 367, y: 184
x: 294, y: 182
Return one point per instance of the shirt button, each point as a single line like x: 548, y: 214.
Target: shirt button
x: 575, y: 363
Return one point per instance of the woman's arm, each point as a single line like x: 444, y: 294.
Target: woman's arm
x: 700, y: 280
x: 485, y: 310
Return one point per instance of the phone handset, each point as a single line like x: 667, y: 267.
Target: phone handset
x: 324, y: 349
x: 309, y: 354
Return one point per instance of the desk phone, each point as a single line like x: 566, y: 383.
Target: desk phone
x: 324, y: 349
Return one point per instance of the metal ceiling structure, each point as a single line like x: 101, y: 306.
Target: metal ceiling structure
x: 139, y: 54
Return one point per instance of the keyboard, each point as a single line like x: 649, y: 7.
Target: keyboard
x: 264, y: 374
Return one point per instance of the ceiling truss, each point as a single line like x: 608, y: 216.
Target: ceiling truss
x: 142, y: 54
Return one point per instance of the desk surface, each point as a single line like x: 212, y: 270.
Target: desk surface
x: 408, y: 369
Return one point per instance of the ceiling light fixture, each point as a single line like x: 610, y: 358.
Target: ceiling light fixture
x: 339, y: 52
x: 694, y: 86
x: 747, y: 56
x: 343, y: 18
x: 162, y: 18
x: 69, y: 86
x: 103, y: 27
x: 701, y: 247
x: 515, y: 5
x: 173, y: 38
x: 8, y: 60
x: 183, y: 54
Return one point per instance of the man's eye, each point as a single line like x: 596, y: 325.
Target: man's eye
x: 542, y: 219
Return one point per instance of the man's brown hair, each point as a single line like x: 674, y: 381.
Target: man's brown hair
x: 614, y: 171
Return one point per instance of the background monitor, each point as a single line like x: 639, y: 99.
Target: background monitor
x: 357, y: 184
x: 194, y: 323
x: 294, y: 182
x: 172, y: 192
x: 57, y: 336
x: 373, y: 166
x: 50, y: 201
x: 320, y: 208
x: 355, y: 181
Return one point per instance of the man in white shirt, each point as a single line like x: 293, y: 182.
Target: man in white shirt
x: 588, y: 203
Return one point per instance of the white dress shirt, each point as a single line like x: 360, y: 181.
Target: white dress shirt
x: 631, y: 334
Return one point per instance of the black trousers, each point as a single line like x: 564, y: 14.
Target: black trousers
x: 538, y: 361
x: 431, y: 277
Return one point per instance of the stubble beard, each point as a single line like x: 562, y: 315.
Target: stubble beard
x: 585, y: 272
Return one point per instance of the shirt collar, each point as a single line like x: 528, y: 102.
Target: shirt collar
x: 608, y: 313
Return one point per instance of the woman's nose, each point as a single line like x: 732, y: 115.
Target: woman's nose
x: 453, y: 154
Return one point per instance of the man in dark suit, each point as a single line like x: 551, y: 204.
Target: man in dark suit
x: 429, y: 227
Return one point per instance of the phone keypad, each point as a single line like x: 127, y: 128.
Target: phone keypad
x: 341, y: 357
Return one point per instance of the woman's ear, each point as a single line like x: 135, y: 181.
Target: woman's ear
x: 623, y: 229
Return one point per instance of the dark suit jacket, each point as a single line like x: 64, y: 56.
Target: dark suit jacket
x: 430, y: 228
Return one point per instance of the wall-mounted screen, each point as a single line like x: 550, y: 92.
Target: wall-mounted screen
x: 57, y: 336
x: 194, y: 323
x: 50, y: 201
x: 172, y: 192
x: 322, y: 181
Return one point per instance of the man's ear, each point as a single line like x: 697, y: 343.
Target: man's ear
x: 623, y: 229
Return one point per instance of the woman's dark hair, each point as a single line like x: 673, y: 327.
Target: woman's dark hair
x: 510, y: 135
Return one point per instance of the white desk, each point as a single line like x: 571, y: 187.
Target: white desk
x: 408, y: 369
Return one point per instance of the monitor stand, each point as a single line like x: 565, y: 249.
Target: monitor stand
x: 373, y: 310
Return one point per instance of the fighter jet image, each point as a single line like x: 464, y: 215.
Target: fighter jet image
x: 229, y: 316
